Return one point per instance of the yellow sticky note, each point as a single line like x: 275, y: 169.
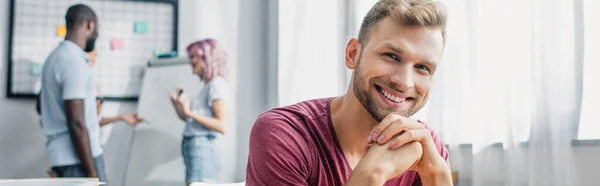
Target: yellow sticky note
x: 61, y: 31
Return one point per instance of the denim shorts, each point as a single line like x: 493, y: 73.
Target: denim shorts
x: 77, y: 170
x: 201, y: 158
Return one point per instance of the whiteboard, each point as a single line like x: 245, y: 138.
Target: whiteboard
x: 118, y: 71
x: 154, y: 104
x: 155, y: 157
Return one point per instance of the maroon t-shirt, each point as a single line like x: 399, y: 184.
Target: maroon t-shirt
x: 297, y: 145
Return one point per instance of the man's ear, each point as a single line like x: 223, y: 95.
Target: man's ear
x: 352, y: 53
x: 91, y: 25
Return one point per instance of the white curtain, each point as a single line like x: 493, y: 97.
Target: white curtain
x: 508, y: 86
x: 590, y: 123
x: 311, y: 46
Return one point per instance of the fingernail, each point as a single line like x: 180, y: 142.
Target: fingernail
x: 380, y: 139
x: 369, y: 139
x: 374, y: 136
x: 393, y: 144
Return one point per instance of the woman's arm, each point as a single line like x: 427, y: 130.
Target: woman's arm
x: 129, y: 118
x: 109, y: 120
x: 218, y: 123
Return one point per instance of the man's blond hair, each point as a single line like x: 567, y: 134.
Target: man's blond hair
x: 424, y: 13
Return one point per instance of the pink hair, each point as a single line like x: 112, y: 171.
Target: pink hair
x: 215, y: 58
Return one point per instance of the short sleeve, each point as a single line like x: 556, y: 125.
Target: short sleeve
x: 218, y: 89
x: 75, y: 81
x: 278, y: 152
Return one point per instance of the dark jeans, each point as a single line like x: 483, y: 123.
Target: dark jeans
x: 77, y: 170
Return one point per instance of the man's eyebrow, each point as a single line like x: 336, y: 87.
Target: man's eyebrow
x: 393, y: 48
x: 430, y: 63
x: 399, y: 51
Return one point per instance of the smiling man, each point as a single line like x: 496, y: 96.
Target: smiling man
x: 364, y: 137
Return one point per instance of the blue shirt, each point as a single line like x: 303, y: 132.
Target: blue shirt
x: 66, y: 75
x: 201, y: 104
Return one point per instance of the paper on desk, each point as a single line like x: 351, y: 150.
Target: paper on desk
x: 49, y: 182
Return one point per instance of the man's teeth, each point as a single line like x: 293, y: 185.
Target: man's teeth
x: 392, y: 97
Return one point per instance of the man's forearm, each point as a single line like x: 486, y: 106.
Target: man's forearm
x: 441, y: 178
x: 362, y: 177
x: 381, y: 164
x: 81, y: 143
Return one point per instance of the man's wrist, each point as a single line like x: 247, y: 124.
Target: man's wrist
x: 437, y: 177
x: 366, y: 176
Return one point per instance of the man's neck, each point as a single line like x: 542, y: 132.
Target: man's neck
x: 352, y: 124
x: 75, y: 39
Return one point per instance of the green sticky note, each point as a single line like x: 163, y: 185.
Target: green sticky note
x: 36, y: 69
x: 140, y: 27
x: 157, y: 52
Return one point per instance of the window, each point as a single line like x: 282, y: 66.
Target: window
x: 589, y: 125
x: 310, y: 50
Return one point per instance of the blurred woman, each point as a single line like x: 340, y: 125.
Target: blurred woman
x: 205, y: 116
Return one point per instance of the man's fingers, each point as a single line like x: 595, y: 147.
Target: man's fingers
x: 396, y: 127
x: 417, y: 135
x: 385, y: 123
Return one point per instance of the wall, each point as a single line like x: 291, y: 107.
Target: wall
x: 22, y: 141
x: 257, y: 84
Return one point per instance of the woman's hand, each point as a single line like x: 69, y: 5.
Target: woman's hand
x: 181, y: 104
x: 131, y: 119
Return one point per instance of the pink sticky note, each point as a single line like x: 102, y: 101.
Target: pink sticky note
x: 116, y: 44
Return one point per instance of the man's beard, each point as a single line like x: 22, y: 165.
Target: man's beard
x: 368, y: 100
x: 89, y: 45
x: 91, y: 42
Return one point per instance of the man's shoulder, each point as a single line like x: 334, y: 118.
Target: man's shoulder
x: 308, y: 109
x: 297, y: 112
x: 63, y: 56
x: 292, y: 119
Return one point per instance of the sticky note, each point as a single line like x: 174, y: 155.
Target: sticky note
x: 116, y: 44
x: 140, y: 27
x: 157, y: 52
x: 61, y: 31
x: 36, y: 69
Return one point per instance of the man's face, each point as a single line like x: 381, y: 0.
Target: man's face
x: 91, y: 41
x: 394, y: 70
